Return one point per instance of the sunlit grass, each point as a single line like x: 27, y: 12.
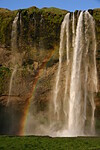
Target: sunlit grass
x: 47, y: 143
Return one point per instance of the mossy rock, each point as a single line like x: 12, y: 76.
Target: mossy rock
x: 6, y: 19
x: 4, y: 78
x: 40, y: 27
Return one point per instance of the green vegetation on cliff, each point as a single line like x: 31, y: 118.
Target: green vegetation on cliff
x: 96, y: 15
x: 6, y: 18
x: 39, y: 28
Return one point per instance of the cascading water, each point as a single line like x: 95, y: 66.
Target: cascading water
x: 72, y: 108
x: 76, y: 120
x: 61, y: 50
x: 65, y: 102
x: 73, y: 29
x: 14, y: 33
x: 11, y: 82
x: 14, y: 49
x: 81, y: 80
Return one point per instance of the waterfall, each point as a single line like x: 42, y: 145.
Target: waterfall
x: 65, y: 101
x: 14, y: 33
x: 73, y: 29
x: 14, y: 49
x: 93, y: 74
x: 72, y: 107
x: 61, y: 50
x: 11, y: 83
x: 75, y: 102
x: 73, y: 113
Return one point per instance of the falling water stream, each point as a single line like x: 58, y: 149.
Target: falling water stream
x: 11, y: 83
x: 83, y: 82
x: 73, y: 29
x: 14, y: 33
x: 61, y: 49
x: 14, y: 49
x: 72, y: 107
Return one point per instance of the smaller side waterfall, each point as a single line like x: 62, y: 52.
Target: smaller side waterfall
x: 14, y: 34
x: 14, y: 49
x: 11, y: 83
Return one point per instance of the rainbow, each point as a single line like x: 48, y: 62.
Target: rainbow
x: 31, y: 94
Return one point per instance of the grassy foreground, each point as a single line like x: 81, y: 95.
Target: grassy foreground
x: 47, y: 143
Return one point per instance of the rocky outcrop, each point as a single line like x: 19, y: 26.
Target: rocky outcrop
x: 38, y: 32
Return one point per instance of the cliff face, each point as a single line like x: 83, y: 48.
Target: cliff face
x: 37, y: 57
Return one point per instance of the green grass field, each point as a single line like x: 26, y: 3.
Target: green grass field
x: 47, y: 143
